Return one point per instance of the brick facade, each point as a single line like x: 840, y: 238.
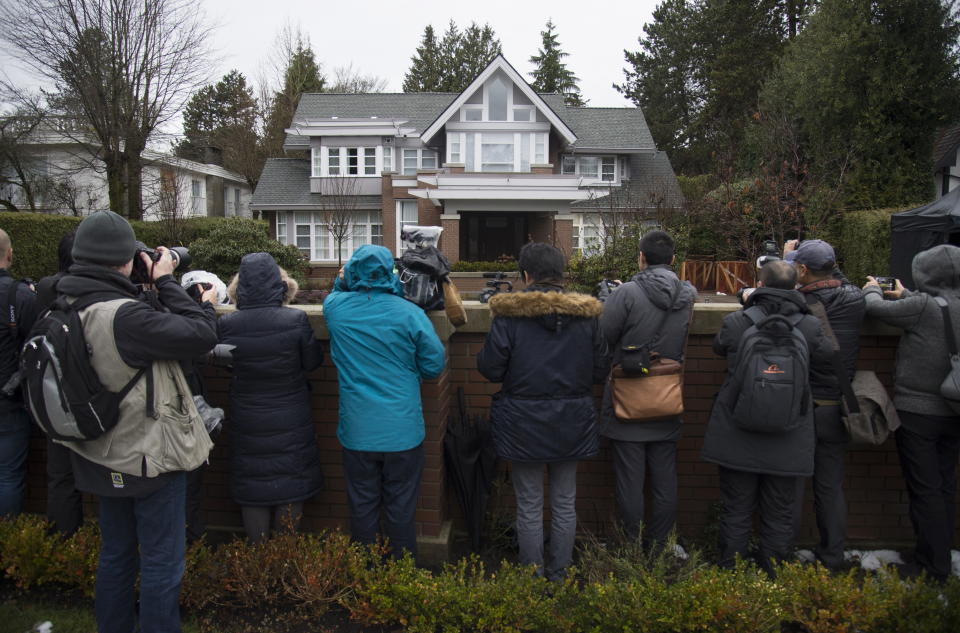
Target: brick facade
x: 875, y: 490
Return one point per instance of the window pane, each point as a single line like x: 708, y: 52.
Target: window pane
x: 387, y: 159
x: 540, y: 155
x: 408, y: 211
x: 470, y: 162
x: 370, y: 161
x: 429, y: 159
x: 609, y: 169
x: 316, y: 162
x: 333, y: 161
x: 497, y: 94
x: 521, y: 114
x: 568, y: 165
x: 409, y: 161
x: 497, y: 152
x: 524, y: 152
x: 590, y: 167
x: 473, y: 114
x: 352, y: 161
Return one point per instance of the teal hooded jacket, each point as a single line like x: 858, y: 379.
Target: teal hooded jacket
x: 382, y: 345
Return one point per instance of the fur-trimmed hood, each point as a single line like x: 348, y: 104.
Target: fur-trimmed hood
x: 550, y: 309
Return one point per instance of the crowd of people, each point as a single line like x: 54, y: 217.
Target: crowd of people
x: 546, y: 347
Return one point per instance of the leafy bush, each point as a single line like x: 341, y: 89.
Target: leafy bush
x: 864, y: 243
x: 30, y: 555
x: 221, y: 250
x: 830, y: 604
x: 484, y: 267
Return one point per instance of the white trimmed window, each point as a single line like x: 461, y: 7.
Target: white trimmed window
x: 498, y: 100
x: 497, y: 151
x: 588, y: 233
x: 407, y: 215
x: 197, y: 197
x: 350, y: 161
x: 313, y: 238
x: 387, y: 158
x: 598, y: 168
x: 414, y: 159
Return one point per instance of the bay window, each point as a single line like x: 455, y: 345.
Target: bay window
x: 599, y: 168
x: 348, y: 161
x: 414, y: 159
x: 497, y: 151
x: 313, y: 237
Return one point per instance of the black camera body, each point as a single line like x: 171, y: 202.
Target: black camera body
x: 770, y: 253
x: 605, y: 287
x: 887, y: 283
x: 495, y: 286
x: 141, y: 274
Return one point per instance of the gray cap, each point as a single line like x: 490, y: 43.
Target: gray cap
x: 104, y: 238
x: 815, y: 255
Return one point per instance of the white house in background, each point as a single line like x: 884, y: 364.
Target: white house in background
x: 495, y: 166
x: 69, y: 179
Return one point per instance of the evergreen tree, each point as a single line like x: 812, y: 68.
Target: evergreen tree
x: 551, y: 75
x: 302, y: 75
x: 425, y: 66
x: 452, y: 63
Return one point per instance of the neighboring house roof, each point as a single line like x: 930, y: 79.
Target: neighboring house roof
x: 191, y: 165
x: 652, y: 184
x: 286, y: 182
x: 946, y: 146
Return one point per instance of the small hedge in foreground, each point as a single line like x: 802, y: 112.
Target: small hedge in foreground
x: 293, y: 579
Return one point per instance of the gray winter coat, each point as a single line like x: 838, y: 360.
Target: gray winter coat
x: 922, y: 360
x: 787, y: 454
x: 631, y: 316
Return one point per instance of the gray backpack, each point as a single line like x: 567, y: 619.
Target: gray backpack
x: 950, y: 387
x: 771, y: 393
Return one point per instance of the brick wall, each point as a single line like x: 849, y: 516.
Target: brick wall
x: 875, y: 490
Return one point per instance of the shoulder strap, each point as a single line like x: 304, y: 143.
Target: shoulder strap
x: 666, y: 313
x: 947, y: 325
x: 11, y: 311
x: 755, y: 314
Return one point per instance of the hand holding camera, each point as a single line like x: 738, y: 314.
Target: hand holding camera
x: 891, y: 287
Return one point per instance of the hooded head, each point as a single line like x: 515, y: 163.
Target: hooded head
x: 371, y: 268
x: 261, y: 283
x: 937, y: 271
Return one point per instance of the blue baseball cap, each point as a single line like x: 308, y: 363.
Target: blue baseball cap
x: 815, y: 255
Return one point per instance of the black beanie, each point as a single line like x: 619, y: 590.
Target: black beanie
x: 104, y: 238
x: 541, y: 261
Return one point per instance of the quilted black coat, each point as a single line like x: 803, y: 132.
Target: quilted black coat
x: 273, y: 446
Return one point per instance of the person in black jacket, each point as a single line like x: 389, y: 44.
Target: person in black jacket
x: 275, y: 462
x: 840, y: 306
x: 547, y: 350
x: 14, y: 420
x: 759, y: 470
x: 654, y: 309
x: 64, y: 501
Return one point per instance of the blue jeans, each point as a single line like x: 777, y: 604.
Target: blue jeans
x: 14, y: 443
x: 154, y: 524
x: 388, y: 479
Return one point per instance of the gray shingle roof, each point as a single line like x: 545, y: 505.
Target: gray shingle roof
x: 286, y: 181
x: 652, y: 183
x: 606, y: 128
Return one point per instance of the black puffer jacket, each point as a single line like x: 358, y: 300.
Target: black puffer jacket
x: 845, y: 307
x: 547, y: 349
x: 274, y: 454
x: 26, y: 311
x: 787, y: 454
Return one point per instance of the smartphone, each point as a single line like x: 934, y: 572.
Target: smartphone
x: 887, y: 283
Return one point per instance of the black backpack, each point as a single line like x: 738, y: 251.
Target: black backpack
x: 772, y: 389
x: 61, y: 387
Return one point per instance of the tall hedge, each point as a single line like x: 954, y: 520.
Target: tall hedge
x: 864, y: 243
x: 35, y: 237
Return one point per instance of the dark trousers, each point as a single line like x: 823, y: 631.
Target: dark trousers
x: 631, y: 460
x: 743, y: 493
x: 829, y: 502
x: 929, y: 447
x: 390, y: 480
x: 64, y: 501
x: 256, y: 520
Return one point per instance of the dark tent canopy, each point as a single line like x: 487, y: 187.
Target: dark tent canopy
x: 918, y: 229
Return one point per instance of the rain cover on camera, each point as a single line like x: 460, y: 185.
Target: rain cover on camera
x: 420, y: 236
x: 204, y: 277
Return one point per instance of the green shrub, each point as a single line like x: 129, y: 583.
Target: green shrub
x: 863, y: 246
x: 31, y: 555
x: 825, y: 603
x: 221, y: 250
x: 484, y: 267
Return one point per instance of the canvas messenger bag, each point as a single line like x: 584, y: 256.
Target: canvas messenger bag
x: 646, y: 386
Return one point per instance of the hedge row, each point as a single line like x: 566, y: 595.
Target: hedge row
x: 294, y: 578
x: 35, y: 237
x: 863, y: 243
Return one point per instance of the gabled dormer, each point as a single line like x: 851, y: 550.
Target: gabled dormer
x: 498, y: 124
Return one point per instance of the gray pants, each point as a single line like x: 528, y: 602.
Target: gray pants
x: 742, y: 494
x: 828, y: 498
x: 630, y: 463
x: 256, y: 519
x: 528, y: 487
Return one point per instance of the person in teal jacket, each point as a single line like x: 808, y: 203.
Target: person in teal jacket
x: 382, y: 345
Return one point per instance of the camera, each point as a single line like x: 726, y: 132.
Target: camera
x: 605, y: 287
x: 887, y: 283
x: 743, y: 294
x: 770, y: 253
x: 141, y: 273
x: 495, y: 286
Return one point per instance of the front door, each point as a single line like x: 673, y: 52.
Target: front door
x: 486, y: 236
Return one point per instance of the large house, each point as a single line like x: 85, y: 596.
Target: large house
x: 495, y: 165
x: 66, y: 176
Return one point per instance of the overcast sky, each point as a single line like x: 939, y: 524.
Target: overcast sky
x: 378, y: 36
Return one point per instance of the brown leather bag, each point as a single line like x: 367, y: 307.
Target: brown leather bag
x: 453, y: 304
x: 651, y: 396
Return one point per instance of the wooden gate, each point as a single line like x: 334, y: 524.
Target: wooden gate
x: 725, y: 277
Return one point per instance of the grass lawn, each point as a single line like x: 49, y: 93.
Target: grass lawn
x: 22, y: 614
